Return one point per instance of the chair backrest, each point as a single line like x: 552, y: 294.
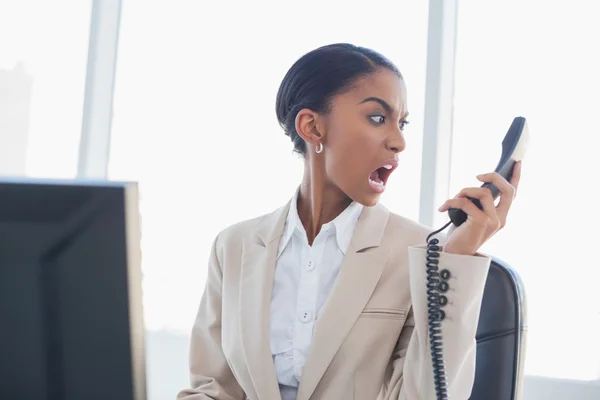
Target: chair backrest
x: 501, y: 336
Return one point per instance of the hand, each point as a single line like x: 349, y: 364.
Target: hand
x: 481, y: 224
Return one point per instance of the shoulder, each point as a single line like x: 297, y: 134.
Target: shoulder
x: 414, y: 232
x: 234, y: 235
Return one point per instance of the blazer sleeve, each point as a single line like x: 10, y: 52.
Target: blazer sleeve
x: 412, y: 371
x: 210, y: 375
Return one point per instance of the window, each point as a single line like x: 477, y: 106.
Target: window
x: 194, y: 122
x: 42, y: 77
x: 539, y: 61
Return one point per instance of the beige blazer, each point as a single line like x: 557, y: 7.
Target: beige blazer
x: 371, y: 340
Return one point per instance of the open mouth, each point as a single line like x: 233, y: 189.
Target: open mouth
x: 380, y: 176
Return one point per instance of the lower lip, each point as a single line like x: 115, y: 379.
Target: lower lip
x: 377, y: 188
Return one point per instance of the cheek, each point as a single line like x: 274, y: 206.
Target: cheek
x: 351, y: 152
x: 352, y: 137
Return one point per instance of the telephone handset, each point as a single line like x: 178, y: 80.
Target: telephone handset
x: 514, y: 146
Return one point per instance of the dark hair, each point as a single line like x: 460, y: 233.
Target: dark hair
x: 320, y: 75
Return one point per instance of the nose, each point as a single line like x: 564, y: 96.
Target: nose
x: 396, y: 142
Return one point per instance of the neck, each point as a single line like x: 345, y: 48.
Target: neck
x: 318, y: 202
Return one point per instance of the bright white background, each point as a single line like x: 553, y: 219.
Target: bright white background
x: 194, y: 122
x: 541, y: 61
x: 43, y: 57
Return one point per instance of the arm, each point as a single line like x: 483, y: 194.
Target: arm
x: 412, y: 370
x: 210, y: 375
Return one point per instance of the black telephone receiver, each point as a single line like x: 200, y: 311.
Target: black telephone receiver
x: 513, y: 149
x: 514, y: 146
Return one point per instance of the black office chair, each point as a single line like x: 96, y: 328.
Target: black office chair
x: 501, y: 336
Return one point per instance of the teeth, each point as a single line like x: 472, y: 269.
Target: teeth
x: 378, y: 183
x: 387, y: 166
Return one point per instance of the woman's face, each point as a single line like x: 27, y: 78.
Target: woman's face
x: 364, y: 134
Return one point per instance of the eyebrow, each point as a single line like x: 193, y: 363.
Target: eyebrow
x: 383, y: 104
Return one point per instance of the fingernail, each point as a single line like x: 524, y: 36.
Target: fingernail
x: 480, y: 176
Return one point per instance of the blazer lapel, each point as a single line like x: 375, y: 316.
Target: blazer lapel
x: 257, y: 274
x: 359, y: 273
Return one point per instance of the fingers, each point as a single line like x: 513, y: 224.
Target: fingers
x: 464, y: 204
x: 484, y: 195
x: 488, y: 216
x: 516, y: 176
x: 475, y: 215
x: 505, y: 187
x: 507, y: 190
x: 493, y: 216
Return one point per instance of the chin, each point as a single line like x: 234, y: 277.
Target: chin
x: 369, y: 200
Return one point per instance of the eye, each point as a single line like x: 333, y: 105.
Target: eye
x: 403, y: 124
x: 378, y: 119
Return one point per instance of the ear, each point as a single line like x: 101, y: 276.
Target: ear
x: 309, y: 127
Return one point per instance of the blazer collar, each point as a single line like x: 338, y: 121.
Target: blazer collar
x: 271, y: 226
x: 359, y: 273
x: 256, y: 283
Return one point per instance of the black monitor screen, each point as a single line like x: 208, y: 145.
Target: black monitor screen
x: 70, y: 296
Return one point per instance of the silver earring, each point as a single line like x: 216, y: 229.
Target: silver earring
x: 320, y: 148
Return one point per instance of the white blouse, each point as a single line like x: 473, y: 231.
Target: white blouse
x: 304, y: 277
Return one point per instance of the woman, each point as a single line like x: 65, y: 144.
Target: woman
x: 325, y: 298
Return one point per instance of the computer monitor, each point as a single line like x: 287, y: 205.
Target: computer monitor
x: 70, y: 291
